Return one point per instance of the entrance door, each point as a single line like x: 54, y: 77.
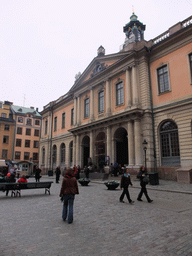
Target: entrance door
x: 121, y: 146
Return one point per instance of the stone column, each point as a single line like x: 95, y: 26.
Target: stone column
x: 77, y: 150
x: 138, y: 146
x: 91, y: 105
x: 109, y: 143
x: 131, y: 146
x: 91, y: 144
x: 128, y: 88
x: 113, y: 151
x: 67, y: 162
x: 74, y: 149
x: 108, y: 98
x: 75, y: 111
x: 78, y: 110
x: 135, y: 86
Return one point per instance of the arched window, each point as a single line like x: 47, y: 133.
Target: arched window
x: 62, y: 153
x: 54, y: 154
x: 169, y: 144
x: 43, y: 156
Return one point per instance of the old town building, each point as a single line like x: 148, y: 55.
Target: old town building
x: 26, y: 137
x: 7, y: 125
x: 131, y: 107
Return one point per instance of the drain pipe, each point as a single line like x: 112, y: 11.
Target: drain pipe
x: 152, y: 112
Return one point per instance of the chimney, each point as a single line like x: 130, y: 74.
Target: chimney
x: 32, y: 107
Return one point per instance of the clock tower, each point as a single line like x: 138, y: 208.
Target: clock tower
x: 134, y: 30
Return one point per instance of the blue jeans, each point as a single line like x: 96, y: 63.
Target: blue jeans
x: 68, y: 211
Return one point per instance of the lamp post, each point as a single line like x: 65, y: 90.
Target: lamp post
x: 145, y: 149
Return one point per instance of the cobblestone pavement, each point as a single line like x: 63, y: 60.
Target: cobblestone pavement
x: 32, y: 224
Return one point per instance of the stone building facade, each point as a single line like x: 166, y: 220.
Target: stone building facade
x: 117, y: 107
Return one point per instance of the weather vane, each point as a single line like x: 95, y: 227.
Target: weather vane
x: 132, y: 9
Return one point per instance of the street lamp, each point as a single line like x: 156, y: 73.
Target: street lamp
x: 145, y: 149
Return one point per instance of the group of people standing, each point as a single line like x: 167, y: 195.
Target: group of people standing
x: 126, y: 181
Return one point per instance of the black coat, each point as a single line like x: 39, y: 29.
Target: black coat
x: 125, y: 181
x: 139, y: 176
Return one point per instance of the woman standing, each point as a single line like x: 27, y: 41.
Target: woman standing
x: 142, y: 176
x: 68, y: 190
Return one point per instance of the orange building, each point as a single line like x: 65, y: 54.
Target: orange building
x: 131, y: 107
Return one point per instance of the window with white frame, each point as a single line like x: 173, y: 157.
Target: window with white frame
x: 4, y: 153
x: 101, y: 102
x: 43, y: 156
x: 86, y: 107
x: 119, y: 94
x: 163, y: 79
x: 46, y: 124
x: 55, y: 123
x: 190, y: 63
x: 62, y: 153
x: 63, y: 120
x: 72, y: 116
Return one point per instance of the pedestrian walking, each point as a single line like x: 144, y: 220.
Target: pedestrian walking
x: 125, y: 182
x: 142, y: 175
x: 68, y: 191
x: 58, y: 173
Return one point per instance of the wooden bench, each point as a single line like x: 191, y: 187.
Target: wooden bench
x: 16, y: 188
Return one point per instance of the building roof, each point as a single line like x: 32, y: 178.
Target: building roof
x: 23, y: 110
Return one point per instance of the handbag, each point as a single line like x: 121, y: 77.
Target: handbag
x: 146, y: 180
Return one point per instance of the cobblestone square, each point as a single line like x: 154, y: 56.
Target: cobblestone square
x: 32, y: 224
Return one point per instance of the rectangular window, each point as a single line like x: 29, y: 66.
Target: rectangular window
x: 29, y: 121
x: 163, y: 79
x: 72, y: 116
x: 36, y: 132
x: 17, y: 155
x: 55, y: 123
x: 18, y: 142
x: 36, y: 144
x: 27, y: 143
x: 63, y: 120
x: 26, y: 155
x: 5, y: 139
x: 46, y: 123
x: 19, y: 130
x: 6, y: 127
x: 28, y: 131
x: 4, y: 153
x: 20, y: 119
x: 4, y: 115
x: 86, y: 108
x: 190, y: 62
x: 37, y: 122
x: 101, y: 101
x: 119, y: 94
x: 35, y: 156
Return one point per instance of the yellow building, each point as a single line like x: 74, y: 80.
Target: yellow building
x: 7, y: 125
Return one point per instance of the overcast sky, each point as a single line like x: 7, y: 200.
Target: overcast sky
x: 45, y: 43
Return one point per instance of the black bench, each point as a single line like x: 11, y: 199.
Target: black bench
x: 16, y: 188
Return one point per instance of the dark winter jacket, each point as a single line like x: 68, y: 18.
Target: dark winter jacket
x: 125, y: 181
x: 69, y: 185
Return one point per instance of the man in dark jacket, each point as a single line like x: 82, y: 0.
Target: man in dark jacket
x: 125, y: 182
x: 68, y: 190
x: 58, y: 173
